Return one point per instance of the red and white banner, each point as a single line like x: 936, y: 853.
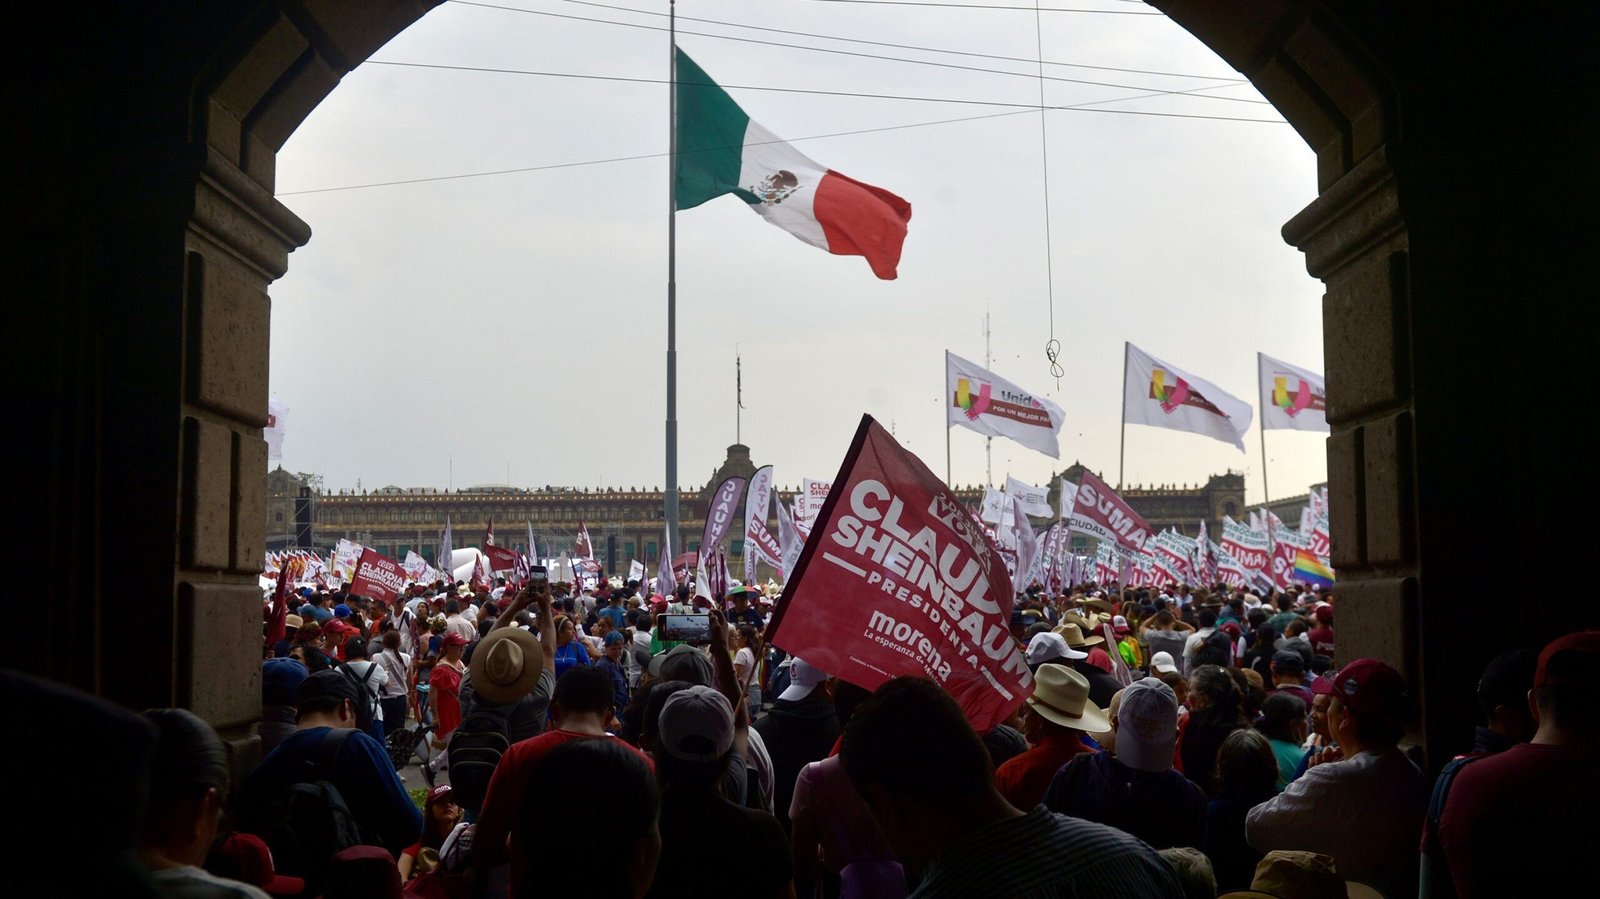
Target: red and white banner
x: 1247, y: 545
x: 1107, y: 565
x: 808, y: 502
x: 1230, y: 570
x: 790, y: 542
x: 1175, y: 553
x: 758, y: 541
x: 1205, y: 563
x: 378, y: 577
x: 1099, y: 512
x: 1285, y: 543
x: 980, y: 400
x: 583, y: 549
x: 899, y: 580
x: 500, y: 558
x: 488, y: 533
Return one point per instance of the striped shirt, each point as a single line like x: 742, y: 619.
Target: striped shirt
x: 1042, y: 855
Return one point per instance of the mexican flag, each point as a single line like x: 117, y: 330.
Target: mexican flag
x: 722, y: 151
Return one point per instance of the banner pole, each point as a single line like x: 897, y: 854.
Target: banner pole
x: 1122, y: 452
x: 946, y: 402
x: 1266, y: 494
x: 672, y: 270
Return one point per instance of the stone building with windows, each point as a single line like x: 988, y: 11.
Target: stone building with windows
x: 624, y: 523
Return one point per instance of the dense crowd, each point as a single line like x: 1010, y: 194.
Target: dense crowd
x: 1177, y: 743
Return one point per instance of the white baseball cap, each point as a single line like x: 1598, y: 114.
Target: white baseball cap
x: 1162, y: 662
x: 803, y: 678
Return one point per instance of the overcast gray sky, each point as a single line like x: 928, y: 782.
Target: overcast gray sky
x: 519, y: 320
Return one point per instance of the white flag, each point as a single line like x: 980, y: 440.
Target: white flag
x: 533, y: 548
x: 1069, y: 498
x: 1291, y: 397
x: 1034, y: 501
x: 445, y: 560
x: 1159, y: 395
x: 790, y: 540
x: 996, y: 506
x: 636, y: 571
x: 979, y: 400
x: 1027, y: 544
x: 666, y: 579
x: 277, y: 415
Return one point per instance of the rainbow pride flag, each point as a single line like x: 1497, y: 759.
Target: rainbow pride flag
x: 1307, y: 568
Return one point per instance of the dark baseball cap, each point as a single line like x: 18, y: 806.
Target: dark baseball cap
x: 1287, y: 661
x: 1579, y: 662
x: 325, y: 684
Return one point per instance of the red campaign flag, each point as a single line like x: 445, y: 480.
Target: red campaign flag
x: 500, y: 558
x: 583, y: 549
x: 900, y: 580
x: 488, y: 533
x: 1099, y: 512
x: 378, y: 577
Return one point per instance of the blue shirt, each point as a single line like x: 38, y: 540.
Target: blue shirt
x: 570, y: 656
x: 617, y: 615
x: 363, y: 773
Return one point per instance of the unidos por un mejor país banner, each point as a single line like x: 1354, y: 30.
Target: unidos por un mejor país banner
x: 1292, y: 398
x: 1246, y: 544
x: 759, y: 543
x: 1100, y: 513
x: 378, y: 577
x: 723, y: 510
x: 898, y: 579
x: 1160, y: 395
x: 979, y: 400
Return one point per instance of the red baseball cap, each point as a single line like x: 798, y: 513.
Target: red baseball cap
x: 1324, y: 614
x: 245, y: 857
x: 1584, y: 642
x: 454, y: 639
x: 1369, y: 687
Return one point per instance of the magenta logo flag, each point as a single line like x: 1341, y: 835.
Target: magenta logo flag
x: 1098, y: 511
x: 899, y: 579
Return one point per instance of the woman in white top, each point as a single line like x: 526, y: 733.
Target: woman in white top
x: 368, y: 676
x: 393, y: 695
x: 745, y: 667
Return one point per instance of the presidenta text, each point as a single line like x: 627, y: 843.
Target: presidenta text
x: 938, y: 575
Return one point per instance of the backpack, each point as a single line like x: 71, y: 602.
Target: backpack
x: 1215, y: 649
x: 475, y: 749
x: 310, y: 821
x: 365, y: 709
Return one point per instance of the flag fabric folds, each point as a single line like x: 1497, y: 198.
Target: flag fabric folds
x: 1292, y: 398
x: 722, y: 151
x: 979, y: 400
x: 1163, y: 396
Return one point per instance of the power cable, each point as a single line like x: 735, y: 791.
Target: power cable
x: 853, y: 40
x: 924, y: 3
x: 1052, y: 346
x: 823, y: 93
x: 901, y: 59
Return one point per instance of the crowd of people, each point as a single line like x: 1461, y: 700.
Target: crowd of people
x: 1177, y: 743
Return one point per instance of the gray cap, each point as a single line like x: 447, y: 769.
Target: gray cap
x: 1147, y: 725
x: 682, y: 662
x: 696, y: 724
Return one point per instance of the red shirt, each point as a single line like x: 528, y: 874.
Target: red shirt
x: 1023, y: 780
x: 1530, y: 802
x: 1321, y: 640
x: 491, y: 843
x: 446, y: 693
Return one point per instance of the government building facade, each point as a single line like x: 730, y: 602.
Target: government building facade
x: 624, y: 524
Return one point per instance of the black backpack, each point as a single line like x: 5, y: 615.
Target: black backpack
x: 1215, y: 649
x: 366, y: 707
x: 310, y: 821
x: 475, y: 749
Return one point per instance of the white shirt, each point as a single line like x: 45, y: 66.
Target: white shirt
x: 374, y: 683
x: 190, y: 882
x: 1365, y: 811
x: 401, y: 619
x: 460, y: 625
x: 394, y: 673
x: 1192, y: 644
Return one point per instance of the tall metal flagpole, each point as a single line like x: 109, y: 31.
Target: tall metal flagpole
x: 672, y: 270
x: 1122, y: 453
x: 1266, y: 494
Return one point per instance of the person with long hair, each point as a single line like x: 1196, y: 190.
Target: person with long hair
x: 1213, y: 714
x: 745, y: 665
x: 1283, y: 723
x: 570, y: 651
x: 440, y: 815
x: 1246, y: 776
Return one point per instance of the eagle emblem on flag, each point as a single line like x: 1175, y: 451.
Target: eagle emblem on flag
x: 776, y: 187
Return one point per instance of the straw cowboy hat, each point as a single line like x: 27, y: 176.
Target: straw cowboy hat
x: 506, y: 665
x: 1103, y: 605
x: 1075, y: 638
x: 1061, y: 695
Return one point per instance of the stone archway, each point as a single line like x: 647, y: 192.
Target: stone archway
x: 156, y: 235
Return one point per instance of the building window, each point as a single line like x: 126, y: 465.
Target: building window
x: 280, y: 516
x: 1230, y: 510
x: 627, y: 550
x: 650, y: 551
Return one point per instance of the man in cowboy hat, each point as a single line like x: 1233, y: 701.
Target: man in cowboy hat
x: 1135, y: 788
x: 512, y: 673
x: 1102, y: 684
x: 1054, y: 720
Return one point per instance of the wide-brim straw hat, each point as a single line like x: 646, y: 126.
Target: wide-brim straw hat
x: 1075, y: 638
x: 506, y: 665
x: 1061, y: 695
